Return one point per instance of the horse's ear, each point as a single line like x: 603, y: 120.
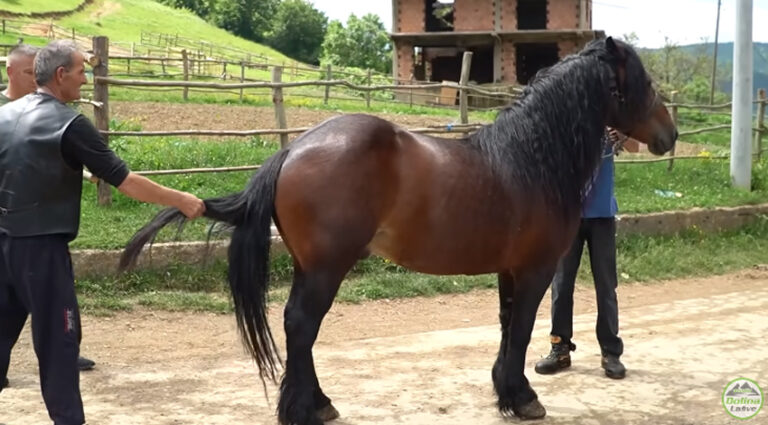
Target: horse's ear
x: 614, y: 49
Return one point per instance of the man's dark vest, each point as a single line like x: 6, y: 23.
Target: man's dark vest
x: 39, y: 192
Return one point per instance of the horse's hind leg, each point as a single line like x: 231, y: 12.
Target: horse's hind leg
x: 520, y: 298
x: 302, y: 401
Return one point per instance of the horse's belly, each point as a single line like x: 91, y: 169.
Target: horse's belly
x: 437, y: 255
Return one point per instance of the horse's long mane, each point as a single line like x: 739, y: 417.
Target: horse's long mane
x: 550, y: 140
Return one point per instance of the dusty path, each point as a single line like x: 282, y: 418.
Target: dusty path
x: 426, y: 361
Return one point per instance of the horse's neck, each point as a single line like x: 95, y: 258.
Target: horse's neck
x: 554, y: 134
x: 576, y: 109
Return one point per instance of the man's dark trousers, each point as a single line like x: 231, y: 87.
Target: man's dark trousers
x: 600, y: 236
x: 36, y: 278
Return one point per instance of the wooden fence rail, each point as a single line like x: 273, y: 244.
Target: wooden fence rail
x: 457, y: 128
x: 315, y: 83
x: 102, y: 81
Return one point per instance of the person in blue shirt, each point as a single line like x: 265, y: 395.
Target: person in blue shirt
x: 598, y: 230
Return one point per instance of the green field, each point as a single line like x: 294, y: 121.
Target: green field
x: 689, y: 119
x: 124, y: 21
x: 639, y: 187
x: 640, y: 259
x: 38, y: 6
x: 13, y: 39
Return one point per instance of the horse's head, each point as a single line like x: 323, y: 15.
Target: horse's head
x: 637, y: 109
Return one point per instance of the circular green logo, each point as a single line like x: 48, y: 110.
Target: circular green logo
x: 742, y: 398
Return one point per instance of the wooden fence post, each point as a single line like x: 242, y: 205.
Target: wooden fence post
x: 277, y: 99
x: 242, y: 78
x: 328, y: 76
x: 133, y: 52
x: 368, y: 93
x: 185, y: 59
x: 3, y: 26
x: 673, y: 101
x: 101, y: 115
x: 760, y: 122
x: 466, y: 64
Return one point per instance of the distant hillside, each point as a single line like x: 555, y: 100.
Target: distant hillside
x: 725, y: 62
x: 124, y: 20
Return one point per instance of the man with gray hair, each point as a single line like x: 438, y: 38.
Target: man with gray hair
x: 45, y: 145
x: 21, y: 75
x: 21, y: 82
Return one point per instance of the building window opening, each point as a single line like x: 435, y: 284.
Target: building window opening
x: 532, y: 14
x: 439, y: 15
x: 531, y: 57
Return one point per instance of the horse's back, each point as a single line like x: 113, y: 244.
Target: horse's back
x: 361, y: 183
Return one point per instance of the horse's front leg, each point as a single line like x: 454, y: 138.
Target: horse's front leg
x: 519, y: 296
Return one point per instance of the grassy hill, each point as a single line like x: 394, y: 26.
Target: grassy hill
x: 123, y: 21
x: 38, y: 6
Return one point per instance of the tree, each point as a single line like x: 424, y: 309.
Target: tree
x: 364, y: 43
x: 249, y: 19
x: 674, y: 68
x: 298, y: 30
x: 200, y: 8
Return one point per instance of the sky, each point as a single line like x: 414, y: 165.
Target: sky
x: 683, y: 21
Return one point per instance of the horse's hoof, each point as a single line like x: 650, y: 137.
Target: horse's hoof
x: 327, y: 413
x: 531, y: 410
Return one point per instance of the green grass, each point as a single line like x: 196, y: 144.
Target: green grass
x: 126, y: 21
x: 693, y: 253
x: 694, y: 119
x: 640, y: 259
x: 14, y: 38
x: 38, y: 6
x: 111, y: 227
x: 701, y: 183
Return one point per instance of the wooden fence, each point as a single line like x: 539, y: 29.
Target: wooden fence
x: 103, y: 79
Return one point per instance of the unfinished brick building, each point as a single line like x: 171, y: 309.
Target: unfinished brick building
x: 510, y: 39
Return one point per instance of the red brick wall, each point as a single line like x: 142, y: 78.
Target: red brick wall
x: 410, y: 16
x: 567, y: 47
x: 473, y: 15
x: 508, y: 67
x: 508, y: 15
x: 562, y: 14
x: 404, y: 62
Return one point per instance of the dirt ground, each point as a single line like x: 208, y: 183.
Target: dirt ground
x: 156, y: 116
x: 425, y: 361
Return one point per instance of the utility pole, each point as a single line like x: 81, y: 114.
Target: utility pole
x: 741, y: 112
x: 714, y: 61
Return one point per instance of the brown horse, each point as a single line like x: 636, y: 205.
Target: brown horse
x: 503, y: 200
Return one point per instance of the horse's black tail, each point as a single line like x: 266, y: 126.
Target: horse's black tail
x: 250, y: 212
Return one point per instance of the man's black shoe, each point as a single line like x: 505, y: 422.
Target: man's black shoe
x: 559, y: 358
x: 613, y: 367
x: 85, y: 364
